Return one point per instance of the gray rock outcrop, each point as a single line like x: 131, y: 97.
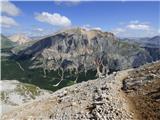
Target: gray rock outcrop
x: 80, y: 50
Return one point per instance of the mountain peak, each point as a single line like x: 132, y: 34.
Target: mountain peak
x: 90, y: 33
x: 20, y: 38
x: 155, y: 38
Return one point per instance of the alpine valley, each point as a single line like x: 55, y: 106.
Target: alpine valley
x: 98, y: 63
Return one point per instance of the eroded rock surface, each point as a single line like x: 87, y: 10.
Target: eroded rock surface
x: 15, y: 93
x: 97, y: 99
x: 82, y: 50
x: 142, y: 87
x: 100, y: 99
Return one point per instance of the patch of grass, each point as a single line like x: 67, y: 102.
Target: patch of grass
x: 28, y: 88
x: 2, y: 96
x: 70, y: 83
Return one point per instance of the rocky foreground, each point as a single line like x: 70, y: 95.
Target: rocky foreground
x: 15, y: 93
x: 132, y: 94
x: 142, y: 87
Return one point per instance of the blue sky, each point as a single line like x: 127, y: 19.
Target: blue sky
x: 125, y: 19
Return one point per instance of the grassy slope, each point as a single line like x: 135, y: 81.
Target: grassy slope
x: 11, y: 71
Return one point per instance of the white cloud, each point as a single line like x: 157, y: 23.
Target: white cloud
x: 53, y: 19
x: 7, y: 22
x: 9, y: 8
x: 86, y: 26
x: 118, y: 30
x: 138, y: 26
x: 135, y: 29
x: 89, y: 27
x: 39, y: 29
x: 97, y: 28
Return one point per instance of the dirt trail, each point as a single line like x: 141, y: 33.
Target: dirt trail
x: 142, y: 88
x: 96, y: 99
x: 120, y: 76
x: 126, y: 95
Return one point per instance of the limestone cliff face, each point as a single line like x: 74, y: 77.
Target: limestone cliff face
x: 81, y: 50
x: 131, y: 94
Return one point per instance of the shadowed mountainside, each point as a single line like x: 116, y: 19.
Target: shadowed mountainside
x: 6, y: 43
x: 152, y: 45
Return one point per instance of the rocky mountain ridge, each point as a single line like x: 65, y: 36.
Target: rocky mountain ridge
x: 152, y: 45
x: 78, y: 50
x: 128, y: 95
x: 145, y: 42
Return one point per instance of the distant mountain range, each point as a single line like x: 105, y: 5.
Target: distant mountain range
x: 6, y: 43
x: 145, y: 42
x: 12, y: 41
x: 152, y: 45
x: 19, y: 38
x: 16, y: 42
x: 153, y: 42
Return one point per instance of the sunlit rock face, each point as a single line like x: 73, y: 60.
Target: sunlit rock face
x: 15, y: 93
x: 82, y: 50
x: 19, y: 38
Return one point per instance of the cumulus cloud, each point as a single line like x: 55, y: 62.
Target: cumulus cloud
x: 138, y: 26
x: 118, y: 30
x: 53, y: 19
x: 9, y: 8
x: 135, y: 29
x: 7, y: 22
x: 89, y: 27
